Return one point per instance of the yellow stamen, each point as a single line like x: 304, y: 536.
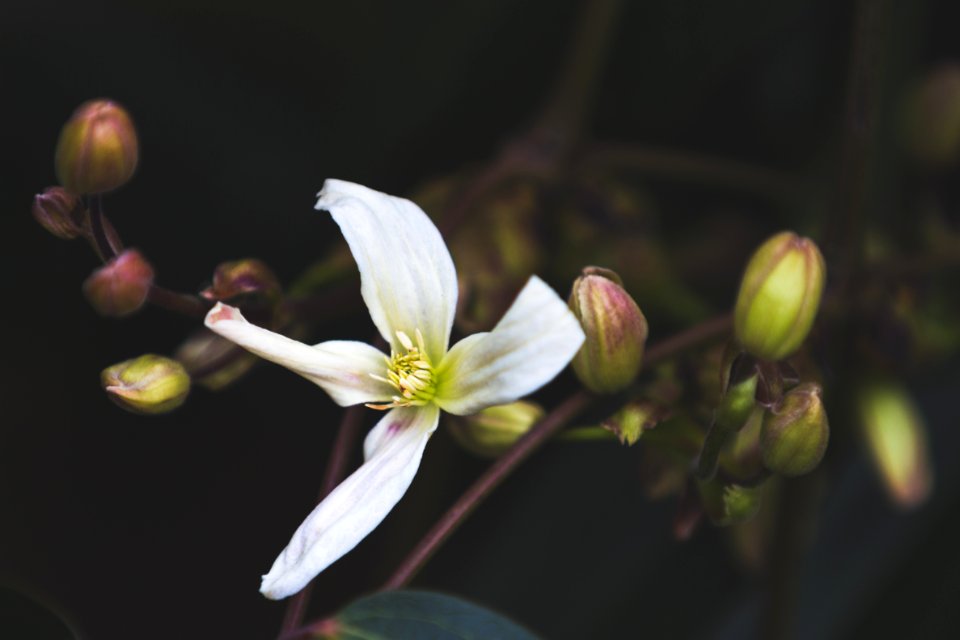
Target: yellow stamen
x: 410, y: 373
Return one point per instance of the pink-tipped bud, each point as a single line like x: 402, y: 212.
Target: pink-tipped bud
x: 615, y: 329
x: 120, y: 287
x: 779, y: 296
x: 57, y: 211
x: 97, y: 150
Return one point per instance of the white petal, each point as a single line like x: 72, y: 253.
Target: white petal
x: 530, y: 345
x: 341, y: 367
x: 407, y: 277
x: 358, y: 504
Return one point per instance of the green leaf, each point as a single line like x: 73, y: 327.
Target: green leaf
x: 421, y: 615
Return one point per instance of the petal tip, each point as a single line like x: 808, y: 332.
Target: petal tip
x: 221, y: 312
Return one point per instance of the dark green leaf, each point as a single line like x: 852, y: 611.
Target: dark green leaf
x: 421, y: 615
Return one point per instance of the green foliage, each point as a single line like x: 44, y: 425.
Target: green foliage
x: 421, y: 615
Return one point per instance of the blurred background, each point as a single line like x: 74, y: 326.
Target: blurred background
x: 114, y: 525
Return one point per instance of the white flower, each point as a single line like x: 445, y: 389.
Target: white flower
x: 409, y: 285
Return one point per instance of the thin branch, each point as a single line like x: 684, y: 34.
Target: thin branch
x: 546, y: 145
x: 695, y: 335
x: 484, y: 485
x: 182, y: 303
x: 693, y: 167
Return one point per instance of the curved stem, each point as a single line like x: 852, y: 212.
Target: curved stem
x: 181, y: 303
x: 694, y: 167
x: 101, y: 241
x: 484, y: 485
x: 546, y: 145
x: 695, y: 335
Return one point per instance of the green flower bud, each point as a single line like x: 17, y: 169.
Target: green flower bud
x: 779, y: 296
x: 615, y: 329
x: 896, y: 435
x: 56, y: 210
x: 97, y: 150
x: 149, y: 384
x: 495, y: 429
x: 120, y: 287
x: 794, y: 434
x: 249, y: 277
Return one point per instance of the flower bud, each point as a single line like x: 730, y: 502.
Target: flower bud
x: 149, y: 384
x: 97, y: 150
x: 242, y: 277
x: 779, y: 296
x: 794, y: 434
x: 120, y: 287
x: 615, y: 329
x: 56, y: 210
x: 495, y: 429
x: 896, y: 436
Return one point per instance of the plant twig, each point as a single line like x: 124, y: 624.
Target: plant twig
x: 484, y: 485
x: 545, y: 146
x: 859, y: 133
x: 695, y: 335
x: 693, y: 167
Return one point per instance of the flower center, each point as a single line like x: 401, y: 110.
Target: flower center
x: 409, y: 372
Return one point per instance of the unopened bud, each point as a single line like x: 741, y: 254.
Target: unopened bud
x: 896, y: 435
x: 57, y: 211
x: 149, y: 384
x: 242, y: 278
x: 932, y: 117
x: 728, y: 504
x: 615, y: 329
x: 97, y: 150
x: 779, y: 296
x: 794, y: 435
x: 120, y: 287
x: 495, y: 429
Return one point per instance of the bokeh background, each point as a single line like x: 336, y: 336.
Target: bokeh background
x: 115, y: 526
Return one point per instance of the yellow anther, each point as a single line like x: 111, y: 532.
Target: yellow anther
x: 409, y: 372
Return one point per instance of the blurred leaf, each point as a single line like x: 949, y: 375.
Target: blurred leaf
x: 422, y: 615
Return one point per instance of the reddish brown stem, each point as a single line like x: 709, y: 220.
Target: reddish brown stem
x: 484, y: 485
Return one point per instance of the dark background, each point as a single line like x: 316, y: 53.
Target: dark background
x: 160, y: 527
